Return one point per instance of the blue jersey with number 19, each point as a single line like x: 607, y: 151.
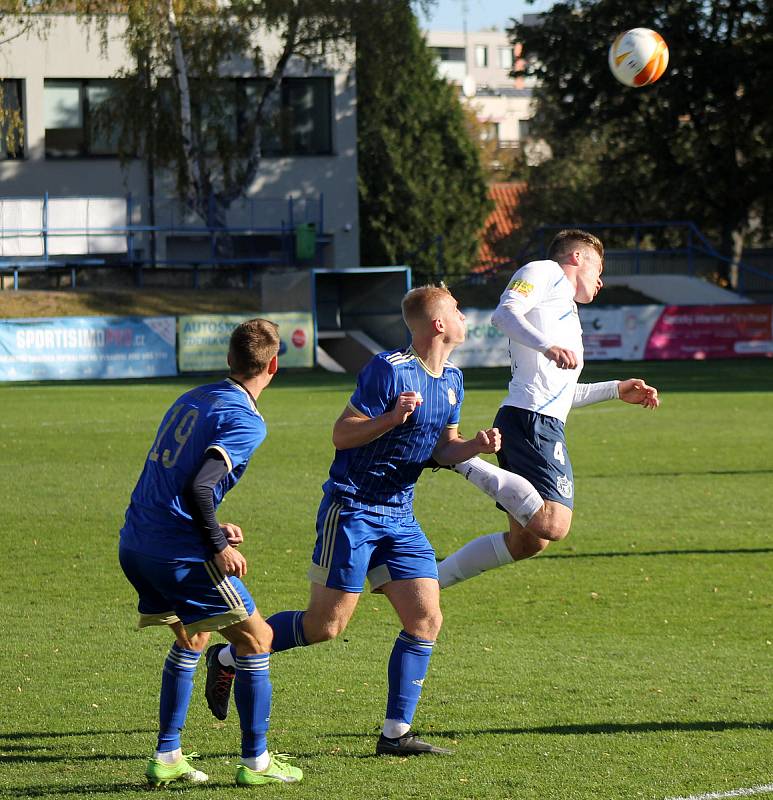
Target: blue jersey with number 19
x: 380, y: 475
x: 219, y: 416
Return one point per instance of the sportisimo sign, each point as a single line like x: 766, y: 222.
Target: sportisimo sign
x: 87, y: 347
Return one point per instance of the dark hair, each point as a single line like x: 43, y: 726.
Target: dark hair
x: 253, y: 344
x: 564, y: 241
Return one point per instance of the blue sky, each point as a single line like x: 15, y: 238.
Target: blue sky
x: 447, y: 14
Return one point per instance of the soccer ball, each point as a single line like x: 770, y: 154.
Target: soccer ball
x: 638, y: 57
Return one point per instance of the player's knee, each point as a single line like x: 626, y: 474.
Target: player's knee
x: 194, y: 641
x: 322, y: 629
x: 427, y: 626
x: 265, y: 638
x: 552, y: 523
x: 253, y: 637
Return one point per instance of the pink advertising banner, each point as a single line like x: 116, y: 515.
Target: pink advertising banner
x: 698, y: 332
x: 632, y: 333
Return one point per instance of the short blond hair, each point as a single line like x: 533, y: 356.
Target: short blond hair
x: 253, y: 344
x: 423, y: 304
x: 565, y: 241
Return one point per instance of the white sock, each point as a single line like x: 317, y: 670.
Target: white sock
x: 259, y: 763
x: 169, y: 756
x: 513, y: 492
x: 225, y: 657
x: 479, y: 555
x: 394, y: 728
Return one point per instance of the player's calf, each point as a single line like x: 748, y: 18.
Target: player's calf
x: 514, y: 493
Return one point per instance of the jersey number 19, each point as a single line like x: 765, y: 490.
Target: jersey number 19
x: 182, y: 433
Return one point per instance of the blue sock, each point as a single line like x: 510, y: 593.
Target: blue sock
x: 408, y: 666
x: 252, y: 695
x: 288, y: 630
x: 176, y: 690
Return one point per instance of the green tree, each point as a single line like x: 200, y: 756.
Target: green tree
x: 695, y: 145
x: 422, y: 189
x: 182, y: 50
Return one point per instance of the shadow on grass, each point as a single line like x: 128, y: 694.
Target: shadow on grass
x: 716, y: 726
x: 681, y: 474
x: 600, y: 728
x: 716, y: 375
x: 29, y: 755
x: 11, y: 735
x: 308, y: 379
x: 628, y: 553
x: 79, y: 789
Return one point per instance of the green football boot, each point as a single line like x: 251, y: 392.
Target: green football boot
x: 160, y: 774
x: 278, y: 771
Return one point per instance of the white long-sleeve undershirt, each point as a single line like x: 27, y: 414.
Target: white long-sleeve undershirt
x: 585, y: 394
x: 511, y: 320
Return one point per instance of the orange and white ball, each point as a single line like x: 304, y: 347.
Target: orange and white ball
x: 638, y: 57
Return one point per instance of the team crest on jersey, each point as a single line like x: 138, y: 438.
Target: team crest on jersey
x: 564, y: 486
x: 521, y: 287
x: 451, y: 396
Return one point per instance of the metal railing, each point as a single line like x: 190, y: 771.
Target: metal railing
x: 696, y: 257
x: 31, y: 236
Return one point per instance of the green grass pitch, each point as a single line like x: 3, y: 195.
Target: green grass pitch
x: 633, y: 660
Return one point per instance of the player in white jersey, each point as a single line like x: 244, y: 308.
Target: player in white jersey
x: 538, y: 313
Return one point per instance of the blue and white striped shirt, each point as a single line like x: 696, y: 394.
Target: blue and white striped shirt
x: 380, y: 476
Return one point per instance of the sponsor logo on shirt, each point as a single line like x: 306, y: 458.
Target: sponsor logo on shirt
x: 564, y: 486
x: 451, y: 396
x: 521, y: 287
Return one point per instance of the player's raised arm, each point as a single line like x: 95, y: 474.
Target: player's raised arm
x: 355, y: 429
x: 525, y: 290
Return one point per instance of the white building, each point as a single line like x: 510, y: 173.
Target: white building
x: 480, y: 63
x: 308, y: 176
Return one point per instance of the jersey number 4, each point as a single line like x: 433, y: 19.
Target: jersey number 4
x: 182, y: 433
x: 558, y: 453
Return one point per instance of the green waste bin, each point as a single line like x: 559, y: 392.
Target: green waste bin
x: 305, y: 240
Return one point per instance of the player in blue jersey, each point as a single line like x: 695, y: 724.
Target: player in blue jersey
x: 405, y: 408
x: 186, y: 567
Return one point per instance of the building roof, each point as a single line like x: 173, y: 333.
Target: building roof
x: 500, y: 223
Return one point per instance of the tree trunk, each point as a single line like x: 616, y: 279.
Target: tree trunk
x: 738, y: 236
x: 194, y: 190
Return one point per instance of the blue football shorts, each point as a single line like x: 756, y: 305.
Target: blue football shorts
x: 534, y: 446
x: 353, y: 544
x: 195, y: 593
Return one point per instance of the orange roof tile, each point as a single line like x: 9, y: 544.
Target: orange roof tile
x: 499, y: 224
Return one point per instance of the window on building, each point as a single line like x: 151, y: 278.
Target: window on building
x: 506, y: 57
x: 450, y: 53
x: 297, y: 121
x: 74, y: 126
x: 306, y: 116
x: 481, y: 55
x: 489, y: 131
x: 524, y: 129
x: 11, y: 120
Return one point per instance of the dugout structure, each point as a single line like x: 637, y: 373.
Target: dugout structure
x: 356, y: 311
